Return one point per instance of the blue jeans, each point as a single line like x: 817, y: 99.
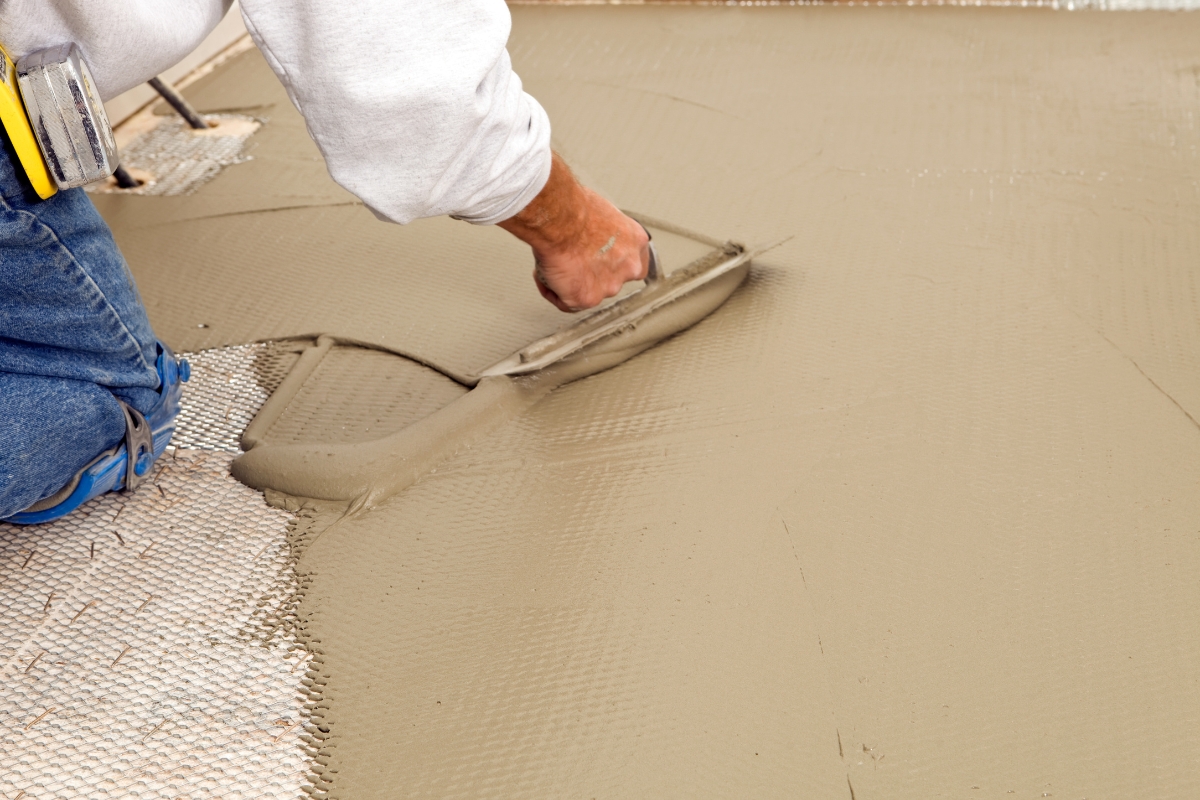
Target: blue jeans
x: 74, y: 336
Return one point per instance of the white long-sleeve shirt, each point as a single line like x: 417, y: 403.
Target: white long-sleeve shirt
x: 413, y: 103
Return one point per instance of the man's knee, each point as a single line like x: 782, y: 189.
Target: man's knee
x: 50, y: 429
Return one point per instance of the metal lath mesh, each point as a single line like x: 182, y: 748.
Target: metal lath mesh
x: 228, y: 386
x: 123, y: 647
x: 173, y: 159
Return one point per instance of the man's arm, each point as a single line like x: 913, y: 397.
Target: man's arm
x: 414, y: 105
x: 583, y: 247
x: 417, y: 111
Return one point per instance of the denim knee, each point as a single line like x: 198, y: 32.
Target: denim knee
x: 50, y: 429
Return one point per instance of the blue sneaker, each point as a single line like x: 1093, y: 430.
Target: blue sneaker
x: 145, y: 436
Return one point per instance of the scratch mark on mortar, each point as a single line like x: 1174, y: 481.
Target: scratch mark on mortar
x: 1120, y: 352
x: 1136, y: 366
x: 253, y: 211
x: 794, y: 553
x: 1153, y: 382
x: 812, y: 607
x: 683, y: 100
x: 787, y: 173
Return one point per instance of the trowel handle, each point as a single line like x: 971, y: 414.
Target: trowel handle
x: 653, y: 273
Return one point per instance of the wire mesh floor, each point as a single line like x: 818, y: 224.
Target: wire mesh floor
x: 140, y: 645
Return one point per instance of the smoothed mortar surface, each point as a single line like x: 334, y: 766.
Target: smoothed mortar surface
x: 914, y: 512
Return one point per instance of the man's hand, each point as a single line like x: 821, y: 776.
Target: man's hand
x: 583, y: 247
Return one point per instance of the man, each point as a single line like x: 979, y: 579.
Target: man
x: 417, y: 111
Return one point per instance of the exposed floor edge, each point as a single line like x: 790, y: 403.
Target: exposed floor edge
x: 149, y: 642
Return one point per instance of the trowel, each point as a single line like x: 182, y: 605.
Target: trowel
x: 626, y: 312
x: 364, y: 473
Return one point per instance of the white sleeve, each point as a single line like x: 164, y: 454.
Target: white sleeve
x: 124, y: 42
x: 413, y: 103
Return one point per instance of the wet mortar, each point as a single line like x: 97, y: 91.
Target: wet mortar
x: 913, y: 513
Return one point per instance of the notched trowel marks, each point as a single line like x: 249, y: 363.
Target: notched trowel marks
x: 364, y: 469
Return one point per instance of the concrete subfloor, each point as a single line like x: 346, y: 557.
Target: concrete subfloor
x: 913, y: 515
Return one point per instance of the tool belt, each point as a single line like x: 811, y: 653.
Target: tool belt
x: 55, y: 120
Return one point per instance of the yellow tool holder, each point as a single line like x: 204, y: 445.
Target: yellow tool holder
x: 16, y: 125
